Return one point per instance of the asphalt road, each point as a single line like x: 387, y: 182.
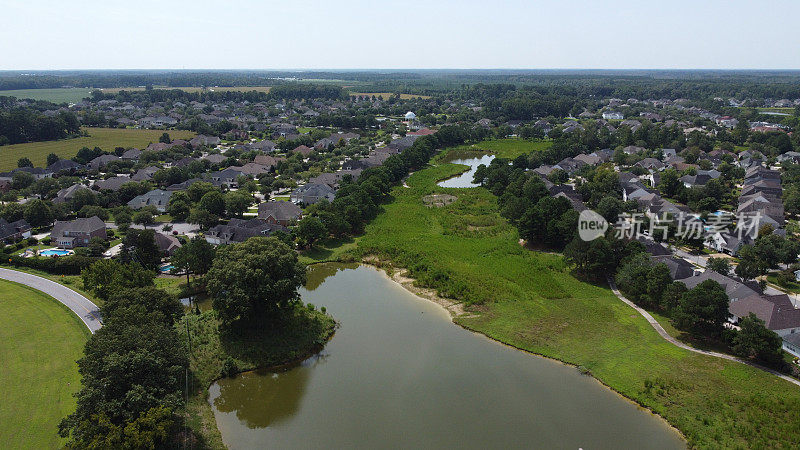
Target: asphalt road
x: 80, y: 305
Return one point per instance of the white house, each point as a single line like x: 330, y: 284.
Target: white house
x: 613, y: 115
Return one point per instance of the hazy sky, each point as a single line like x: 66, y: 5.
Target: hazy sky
x: 299, y: 34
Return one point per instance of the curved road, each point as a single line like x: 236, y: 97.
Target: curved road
x: 80, y: 305
x: 657, y: 326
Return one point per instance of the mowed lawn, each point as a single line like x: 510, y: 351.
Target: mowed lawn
x: 41, y: 340
x: 531, y: 301
x: 55, y: 95
x: 105, y: 138
x: 508, y: 148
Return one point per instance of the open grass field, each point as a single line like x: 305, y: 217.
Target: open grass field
x: 530, y: 300
x: 386, y: 95
x: 56, y: 95
x: 508, y: 148
x: 41, y: 339
x: 193, y: 89
x: 105, y: 138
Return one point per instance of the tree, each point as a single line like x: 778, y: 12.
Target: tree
x: 672, y: 295
x: 254, y: 281
x: 196, y: 256
x: 592, y: 259
x: 106, y: 276
x: 309, y: 230
x: 24, y: 162
x: 632, y: 277
x: 214, y: 203
x: 669, y: 184
x: 203, y: 218
x: 164, y: 138
x: 755, y: 340
x: 149, y: 297
x: 52, y: 158
x: 658, y: 279
x: 237, y: 202
x: 703, y: 310
x: 140, y: 246
x: 143, y: 218
x: 97, y: 246
x: 134, y: 364
x: 20, y: 180
x: 719, y: 265
x: 179, y: 206
x: 750, y: 266
x: 38, y: 213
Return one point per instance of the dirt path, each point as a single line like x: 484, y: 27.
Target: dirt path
x: 657, y: 326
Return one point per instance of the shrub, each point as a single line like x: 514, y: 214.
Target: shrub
x: 229, y: 368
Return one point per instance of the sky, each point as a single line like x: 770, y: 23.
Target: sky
x: 405, y: 34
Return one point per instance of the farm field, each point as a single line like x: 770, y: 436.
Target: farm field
x: 42, y: 339
x: 105, y: 138
x: 530, y: 300
x: 507, y: 148
x: 56, y: 95
x: 193, y: 89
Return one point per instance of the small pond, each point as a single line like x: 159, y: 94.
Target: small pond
x: 471, y: 159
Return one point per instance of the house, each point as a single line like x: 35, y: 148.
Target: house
x: 145, y: 174
x: 310, y: 194
x: 215, y: 158
x: 304, y: 150
x: 694, y: 180
x: 101, y: 161
x: 68, y: 193
x: 777, y: 312
x: 632, y: 149
x: 613, y: 115
x: 131, y: 154
x: 591, y: 159
x: 14, y: 231
x: 64, y: 166
x: 167, y: 243
x: 727, y: 243
x: 78, y: 232
x: 651, y: 164
x: 240, y: 230
x: 267, y: 161
x: 282, y: 213
x: 208, y: 141
x: 226, y: 177
x: 265, y: 146
x: 252, y: 169
x: 679, y: 268
x: 736, y: 290
x: 791, y: 343
x: 156, y: 197
x: 112, y: 184
x: 668, y: 153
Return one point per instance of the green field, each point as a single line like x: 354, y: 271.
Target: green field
x: 41, y: 339
x: 531, y: 301
x: 105, y: 138
x: 192, y: 89
x: 55, y: 95
x: 508, y: 148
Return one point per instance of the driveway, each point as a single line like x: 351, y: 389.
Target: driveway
x: 80, y: 305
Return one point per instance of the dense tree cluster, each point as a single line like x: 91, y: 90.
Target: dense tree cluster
x: 28, y: 125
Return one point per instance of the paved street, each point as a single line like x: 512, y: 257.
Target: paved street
x: 80, y: 305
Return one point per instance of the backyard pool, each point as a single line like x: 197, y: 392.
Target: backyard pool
x: 166, y: 268
x: 54, y: 252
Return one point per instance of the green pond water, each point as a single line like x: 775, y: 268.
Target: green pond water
x: 399, y: 374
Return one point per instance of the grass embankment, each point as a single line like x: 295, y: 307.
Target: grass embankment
x: 529, y: 300
x: 298, y: 336
x: 105, y: 138
x: 42, y: 340
x: 507, y: 148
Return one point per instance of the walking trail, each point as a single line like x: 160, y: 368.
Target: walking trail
x: 657, y: 326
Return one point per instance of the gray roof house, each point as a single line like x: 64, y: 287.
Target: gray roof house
x: 283, y: 213
x: 78, y: 232
x: 156, y: 197
x: 312, y: 193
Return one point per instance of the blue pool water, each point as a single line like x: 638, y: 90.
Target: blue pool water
x: 167, y: 268
x: 54, y: 252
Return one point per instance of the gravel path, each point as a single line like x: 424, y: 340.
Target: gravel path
x: 80, y: 305
x: 657, y: 326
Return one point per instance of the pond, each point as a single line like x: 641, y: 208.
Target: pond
x: 399, y: 374
x: 471, y: 159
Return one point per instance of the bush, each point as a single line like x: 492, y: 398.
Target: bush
x: 65, y: 265
x: 229, y: 368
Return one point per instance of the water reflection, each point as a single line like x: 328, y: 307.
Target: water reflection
x: 275, y: 398
x: 317, y: 273
x: 471, y: 159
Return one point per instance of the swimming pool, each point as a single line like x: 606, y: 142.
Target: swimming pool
x: 54, y: 252
x: 166, y: 268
